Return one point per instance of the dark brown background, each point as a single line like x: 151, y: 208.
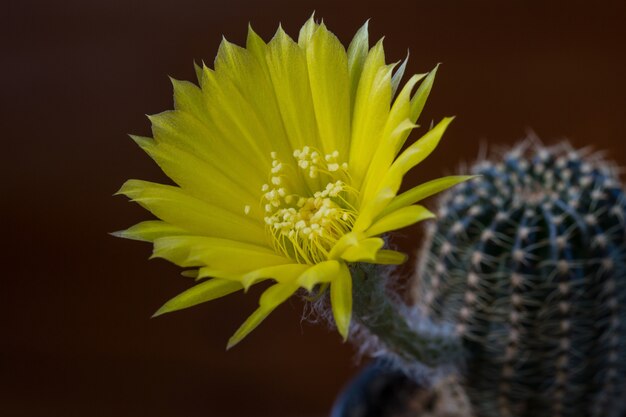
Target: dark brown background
x: 76, y: 76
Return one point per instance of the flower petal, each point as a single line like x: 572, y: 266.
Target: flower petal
x: 413, y: 155
x: 398, y: 219
x: 200, y: 293
x: 397, y: 76
x: 328, y: 76
x: 319, y: 273
x: 188, y: 97
x: 306, y: 31
x: 419, y: 99
x: 270, y: 299
x: 357, y: 52
x: 202, y: 180
x: 287, y: 66
x: 150, y: 230
x: 390, y: 257
x: 423, y: 191
x: 371, y: 108
x: 372, y: 208
x: 203, y: 137
x: 176, y: 207
x: 364, y: 251
x: 218, y: 254
x: 341, y: 300
x: 281, y: 273
x: 243, y: 104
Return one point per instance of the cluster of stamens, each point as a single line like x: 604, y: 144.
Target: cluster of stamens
x: 305, y: 225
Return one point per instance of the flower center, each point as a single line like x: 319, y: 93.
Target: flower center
x: 304, y: 224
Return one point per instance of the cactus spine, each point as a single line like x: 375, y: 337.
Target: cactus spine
x: 528, y: 261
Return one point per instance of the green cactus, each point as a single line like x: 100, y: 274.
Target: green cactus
x: 528, y: 262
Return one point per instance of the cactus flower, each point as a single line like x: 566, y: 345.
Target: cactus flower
x: 287, y: 159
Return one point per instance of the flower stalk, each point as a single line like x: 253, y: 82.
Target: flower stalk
x: 413, y: 339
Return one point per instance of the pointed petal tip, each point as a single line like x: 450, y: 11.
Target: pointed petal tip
x: 231, y: 343
x: 344, y: 332
x: 234, y: 340
x: 120, y: 191
x: 159, y: 312
x: 141, y: 141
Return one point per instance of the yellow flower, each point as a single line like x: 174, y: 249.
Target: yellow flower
x: 287, y: 160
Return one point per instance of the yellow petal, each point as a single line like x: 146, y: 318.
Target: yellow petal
x: 174, y: 206
x: 219, y: 148
x: 330, y: 88
x: 306, y: 31
x: 243, y: 103
x: 319, y: 273
x: 372, y: 208
x: 341, y: 300
x: 357, y: 52
x: 347, y: 240
x: 150, y: 230
x: 398, y: 219
x: 413, y: 155
x: 200, y: 293
x: 423, y: 191
x: 281, y: 273
x: 188, y: 97
x: 401, y: 108
x: 202, y: 180
x: 219, y: 254
x: 397, y: 76
x: 419, y: 99
x: 364, y: 251
x: 289, y: 75
x: 383, y: 158
x: 371, y: 108
x: 270, y: 299
x: 390, y: 257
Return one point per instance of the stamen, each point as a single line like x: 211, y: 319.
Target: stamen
x: 302, y: 226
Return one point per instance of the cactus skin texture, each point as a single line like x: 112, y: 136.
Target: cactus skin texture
x: 529, y: 263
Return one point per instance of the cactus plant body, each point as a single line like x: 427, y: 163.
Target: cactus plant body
x: 529, y: 263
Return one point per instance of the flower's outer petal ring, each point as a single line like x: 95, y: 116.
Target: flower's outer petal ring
x: 270, y: 299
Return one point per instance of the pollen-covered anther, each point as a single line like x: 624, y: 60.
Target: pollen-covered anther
x: 309, y: 159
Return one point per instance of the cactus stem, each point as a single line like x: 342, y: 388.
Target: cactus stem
x: 373, y: 307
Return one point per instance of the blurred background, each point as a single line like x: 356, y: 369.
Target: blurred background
x: 77, y: 76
